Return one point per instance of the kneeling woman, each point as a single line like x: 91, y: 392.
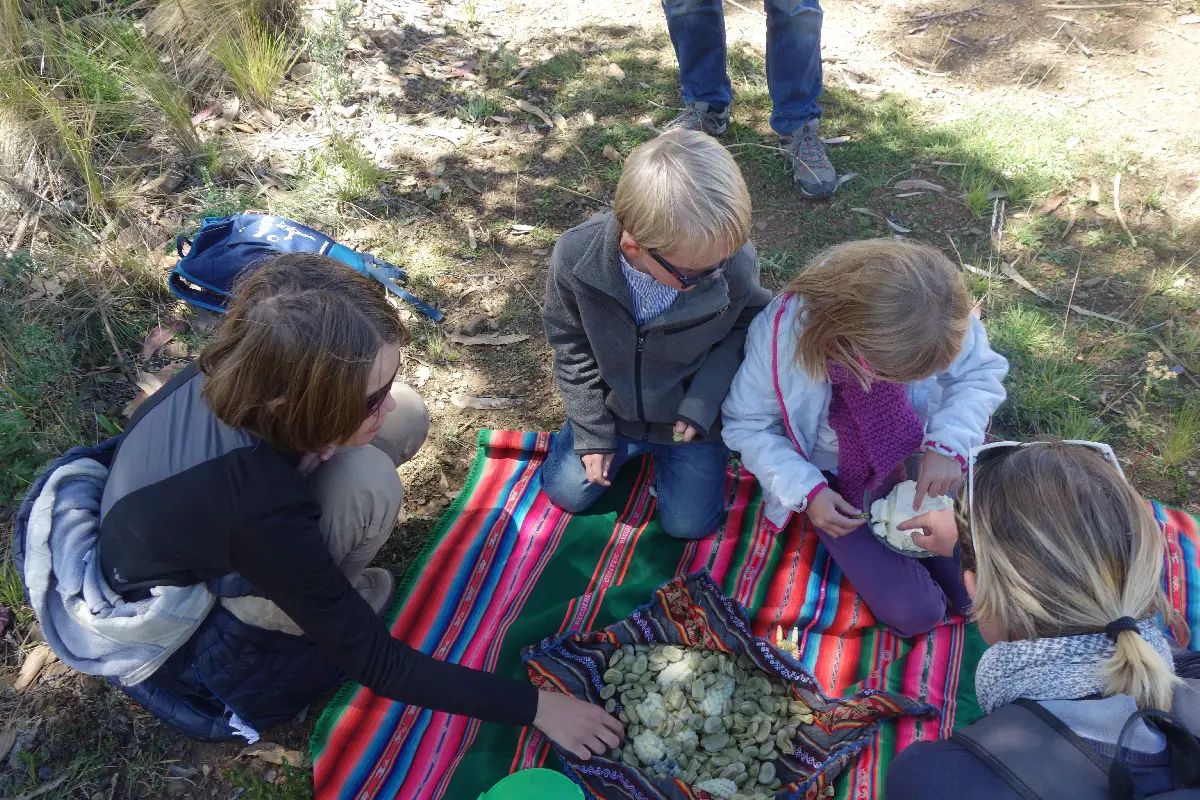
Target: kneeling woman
x: 1063, y: 561
x: 227, y: 584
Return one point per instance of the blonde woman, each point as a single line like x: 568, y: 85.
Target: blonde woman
x: 1064, y: 563
x: 871, y: 355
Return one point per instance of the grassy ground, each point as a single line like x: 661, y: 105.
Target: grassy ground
x: 404, y: 135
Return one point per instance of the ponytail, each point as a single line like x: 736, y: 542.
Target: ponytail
x: 1137, y: 669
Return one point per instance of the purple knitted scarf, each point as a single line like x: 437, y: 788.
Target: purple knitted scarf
x: 876, y: 429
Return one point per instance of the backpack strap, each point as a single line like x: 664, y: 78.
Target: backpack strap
x: 1183, y: 747
x: 1036, y: 754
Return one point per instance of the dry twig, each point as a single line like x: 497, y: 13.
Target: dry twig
x: 1117, y: 208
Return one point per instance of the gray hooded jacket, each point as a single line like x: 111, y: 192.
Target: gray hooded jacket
x: 617, y: 377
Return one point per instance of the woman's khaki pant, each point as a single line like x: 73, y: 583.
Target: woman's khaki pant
x: 360, y: 497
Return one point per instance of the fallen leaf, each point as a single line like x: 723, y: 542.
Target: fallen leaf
x: 155, y: 339
x: 522, y: 228
x: 1190, y: 19
x: 268, y: 116
x: 471, y: 238
x: 494, y: 339
x: 273, y: 753
x: 530, y: 108
x: 615, y: 71
x: 1093, y: 192
x: 611, y: 154
x: 501, y: 119
x: 560, y: 122
x: 46, y: 287
x: 589, y: 119
x: 8, y: 738
x: 917, y: 183
x: 761, y: 225
x: 868, y: 212
x: 836, y: 140
x: 412, y: 69
x: 45, y: 788
x: 244, y: 127
x: 849, y: 176
x: 1052, y: 205
x: 148, y: 382
x: 206, y: 114
x: 520, y: 76
x: 897, y: 228
x: 482, y: 403
x: 471, y: 184
x: 421, y: 375
x: 34, y: 663
x: 909, y: 194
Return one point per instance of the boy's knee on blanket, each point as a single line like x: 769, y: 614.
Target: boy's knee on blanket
x: 689, y: 524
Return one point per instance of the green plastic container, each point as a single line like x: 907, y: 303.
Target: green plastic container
x: 534, y: 784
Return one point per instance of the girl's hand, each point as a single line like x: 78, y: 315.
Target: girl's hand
x: 939, y: 534
x: 830, y: 512
x: 310, y: 461
x: 597, y: 466
x: 584, y: 729
x: 939, y: 475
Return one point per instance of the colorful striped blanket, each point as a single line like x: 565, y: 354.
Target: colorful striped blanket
x: 506, y: 569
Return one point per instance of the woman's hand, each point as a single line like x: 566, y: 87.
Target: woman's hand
x: 310, y: 461
x: 939, y: 475
x: 586, y: 730
x: 597, y: 466
x: 939, y: 532
x: 830, y: 512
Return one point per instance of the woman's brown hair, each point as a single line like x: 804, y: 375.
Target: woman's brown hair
x: 1063, y: 545
x: 901, y: 306
x: 304, y: 329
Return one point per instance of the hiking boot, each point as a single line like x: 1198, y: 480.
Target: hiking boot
x: 814, y: 175
x: 698, y: 117
x: 376, y: 585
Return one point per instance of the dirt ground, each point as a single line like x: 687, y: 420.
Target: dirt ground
x: 1021, y: 113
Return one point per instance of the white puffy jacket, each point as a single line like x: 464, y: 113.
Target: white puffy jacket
x: 955, y: 406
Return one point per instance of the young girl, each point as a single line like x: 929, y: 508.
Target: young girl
x: 1064, y: 562
x: 871, y: 355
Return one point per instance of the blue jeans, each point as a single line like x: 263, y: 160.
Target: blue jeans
x: 793, y: 56
x: 689, y: 480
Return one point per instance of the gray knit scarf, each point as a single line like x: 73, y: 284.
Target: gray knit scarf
x: 1061, y: 668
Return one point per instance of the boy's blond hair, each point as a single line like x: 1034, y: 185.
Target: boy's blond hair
x: 683, y: 188
x: 901, y: 306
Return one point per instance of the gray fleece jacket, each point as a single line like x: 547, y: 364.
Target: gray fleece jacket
x: 617, y: 377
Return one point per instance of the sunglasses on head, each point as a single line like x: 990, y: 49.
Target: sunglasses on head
x: 688, y: 280
x: 376, y: 398
x: 994, y: 450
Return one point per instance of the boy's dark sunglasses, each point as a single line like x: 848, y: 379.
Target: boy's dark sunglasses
x: 375, y: 399
x: 685, y: 279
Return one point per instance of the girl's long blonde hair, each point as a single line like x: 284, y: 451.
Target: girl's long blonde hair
x: 1064, y: 546
x: 900, y: 306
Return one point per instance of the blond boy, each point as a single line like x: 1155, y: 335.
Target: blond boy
x: 647, y: 310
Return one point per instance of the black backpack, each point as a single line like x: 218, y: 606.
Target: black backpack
x: 1042, y: 759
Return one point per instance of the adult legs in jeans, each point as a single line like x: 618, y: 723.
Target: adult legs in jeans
x: 697, y: 29
x: 793, y: 62
x: 899, y: 590
x: 360, y: 497
x: 689, y: 481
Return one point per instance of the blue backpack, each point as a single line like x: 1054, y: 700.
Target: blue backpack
x: 225, y: 247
